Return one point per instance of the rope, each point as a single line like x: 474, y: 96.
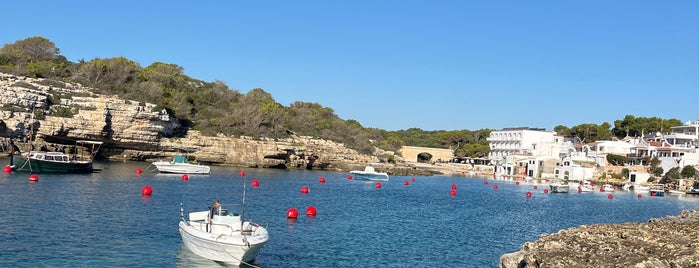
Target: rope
x: 240, y: 260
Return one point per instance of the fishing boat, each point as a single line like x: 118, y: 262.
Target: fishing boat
x: 224, y: 237
x: 657, y: 190
x: 586, y: 186
x: 43, y: 161
x: 607, y: 188
x: 559, y: 187
x: 369, y: 174
x: 180, y: 165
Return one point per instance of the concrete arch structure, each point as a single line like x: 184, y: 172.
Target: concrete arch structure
x: 410, y: 153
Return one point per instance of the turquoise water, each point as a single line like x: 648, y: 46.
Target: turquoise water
x: 102, y: 220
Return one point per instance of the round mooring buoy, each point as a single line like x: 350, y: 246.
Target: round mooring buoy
x: 321, y: 180
x: 610, y: 196
x: 33, y: 177
x: 495, y: 186
x: 640, y: 195
x: 292, y: 213
x: 139, y: 171
x: 405, y: 182
x: 529, y: 194
x: 378, y: 185
x: 242, y: 173
x: 412, y: 179
x: 349, y: 177
x: 452, y: 192
x: 311, y: 211
x: 255, y: 183
x: 185, y: 177
x: 146, y: 190
x: 8, y: 169
x: 546, y: 191
x: 453, y: 186
x: 304, y: 190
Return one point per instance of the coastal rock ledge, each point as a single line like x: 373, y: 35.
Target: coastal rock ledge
x: 672, y: 241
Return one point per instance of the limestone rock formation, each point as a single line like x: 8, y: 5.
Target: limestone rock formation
x: 137, y: 131
x: 666, y: 242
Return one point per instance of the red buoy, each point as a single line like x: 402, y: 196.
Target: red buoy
x: 640, y: 195
x: 321, y: 180
x: 517, y: 183
x: 185, y: 177
x: 546, y: 191
x: 242, y: 173
x: 529, y: 194
x: 33, y: 177
x: 139, y: 171
x: 349, y: 177
x: 579, y: 190
x: 378, y: 185
x: 652, y: 193
x: 8, y: 169
x: 610, y: 196
x: 292, y: 213
x: 255, y: 183
x: 304, y: 190
x: 146, y: 190
x: 495, y: 186
x: 601, y: 189
x: 453, y: 186
x: 405, y: 182
x: 412, y: 179
x: 311, y: 211
x: 485, y: 182
x: 536, y: 187
x: 452, y: 192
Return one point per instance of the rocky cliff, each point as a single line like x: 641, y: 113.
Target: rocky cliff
x: 667, y: 242
x: 138, y: 131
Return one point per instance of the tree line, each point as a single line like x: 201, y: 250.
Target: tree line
x: 213, y: 107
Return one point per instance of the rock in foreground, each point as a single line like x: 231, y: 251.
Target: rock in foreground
x: 667, y: 242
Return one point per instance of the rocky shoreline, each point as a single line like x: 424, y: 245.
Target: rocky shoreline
x: 672, y: 241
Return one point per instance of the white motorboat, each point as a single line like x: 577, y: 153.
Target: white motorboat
x: 559, y: 187
x: 369, y: 174
x: 585, y: 186
x: 607, y: 188
x: 227, y: 238
x: 180, y: 165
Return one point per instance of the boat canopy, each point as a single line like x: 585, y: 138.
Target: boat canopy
x: 180, y: 159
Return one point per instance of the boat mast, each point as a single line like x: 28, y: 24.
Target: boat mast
x: 242, y: 209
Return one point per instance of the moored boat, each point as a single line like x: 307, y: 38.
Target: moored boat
x: 657, y: 190
x: 559, y: 187
x: 180, y: 165
x: 607, y: 188
x: 369, y: 174
x: 227, y: 237
x: 585, y: 186
x: 56, y: 162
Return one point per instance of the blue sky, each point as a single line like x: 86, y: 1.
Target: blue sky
x: 434, y: 65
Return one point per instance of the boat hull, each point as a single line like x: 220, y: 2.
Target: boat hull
x: 559, y: 188
x: 369, y: 177
x: 181, y: 168
x: 23, y: 164
x: 235, y: 249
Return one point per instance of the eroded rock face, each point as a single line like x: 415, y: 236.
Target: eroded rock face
x: 667, y: 242
x: 136, y: 131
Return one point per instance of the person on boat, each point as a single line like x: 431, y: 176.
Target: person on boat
x: 213, y: 210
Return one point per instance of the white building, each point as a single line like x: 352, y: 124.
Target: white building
x: 520, y: 140
x: 686, y: 135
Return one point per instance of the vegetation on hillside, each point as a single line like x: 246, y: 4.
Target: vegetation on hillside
x: 213, y: 107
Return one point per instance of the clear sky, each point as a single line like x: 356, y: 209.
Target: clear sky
x: 434, y: 65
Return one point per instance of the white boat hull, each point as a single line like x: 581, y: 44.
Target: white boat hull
x: 181, y: 168
x: 559, y: 188
x: 233, y: 247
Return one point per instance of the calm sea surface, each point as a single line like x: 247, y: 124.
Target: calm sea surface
x: 102, y: 220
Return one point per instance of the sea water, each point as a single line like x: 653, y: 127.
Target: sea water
x: 103, y: 220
